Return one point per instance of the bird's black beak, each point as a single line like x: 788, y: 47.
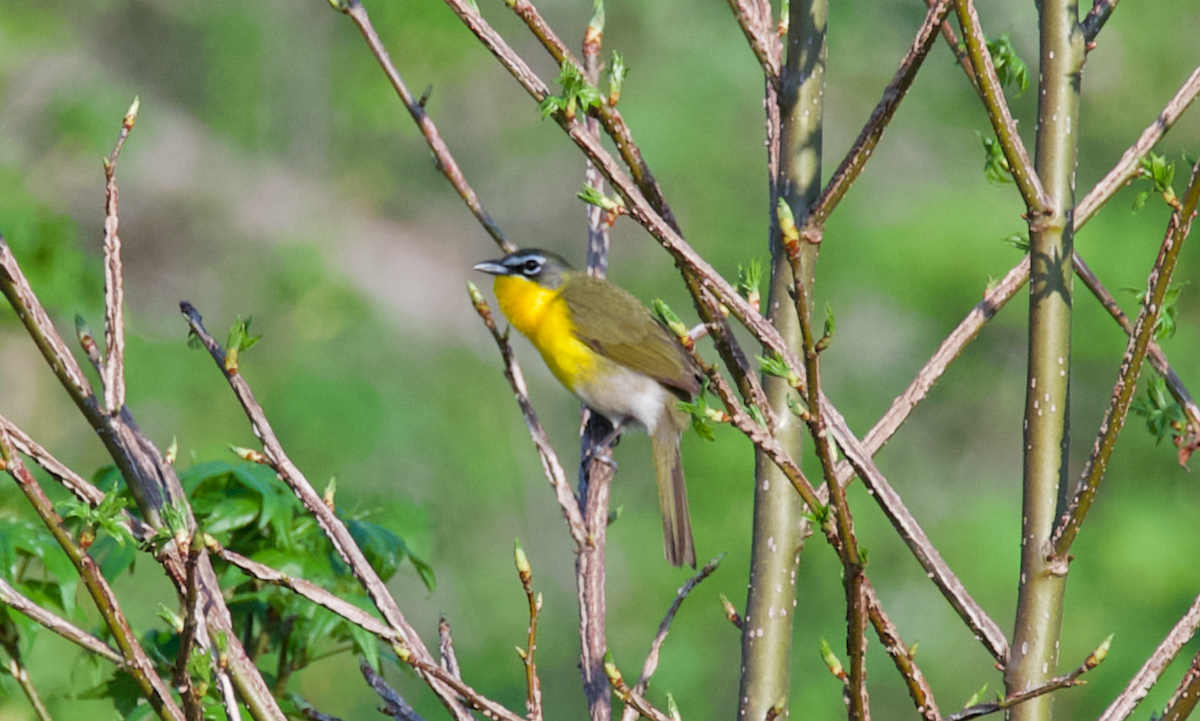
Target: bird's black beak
x: 494, y: 267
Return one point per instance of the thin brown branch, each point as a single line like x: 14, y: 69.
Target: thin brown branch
x: 1097, y: 17
x: 1131, y: 365
x: 12, y: 598
x: 330, y: 524
x: 1147, y: 676
x: 10, y: 640
x: 631, y: 697
x: 852, y: 565
x: 960, y: 52
x: 137, y: 663
x: 858, y: 155
x: 754, y: 17
x: 650, y: 665
x: 114, y: 284
x: 596, y: 472
x: 72, y: 481
x: 550, y: 464
x: 1058, y: 682
x: 306, y: 589
x: 416, y: 108
x: 993, y: 300
x: 533, y: 685
x: 1127, y: 167
x: 446, y: 656
x: 396, y: 707
x: 1158, y: 359
x: 997, y: 110
x: 1183, y: 701
x: 902, y: 657
x: 192, y: 706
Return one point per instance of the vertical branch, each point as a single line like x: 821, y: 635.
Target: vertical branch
x: 114, y: 284
x: 595, y: 473
x: 778, y: 527
x: 1034, y: 653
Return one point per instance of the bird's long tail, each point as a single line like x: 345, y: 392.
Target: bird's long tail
x: 672, y: 493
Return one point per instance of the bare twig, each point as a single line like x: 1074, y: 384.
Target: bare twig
x: 550, y: 464
x: 960, y: 52
x: 1127, y: 167
x: 1094, y: 659
x: 330, y: 524
x: 396, y: 707
x: 445, y: 160
x: 1183, y: 701
x: 902, y: 657
x: 446, y: 655
x: 10, y: 640
x: 137, y: 663
x: 651, y: 663
x: 997, y: 109
x: 754, y: 17
x: 1135, y: 352
x: 856, y: 158
x: 192, y: 706
x: 993, y: 300
x: 629, y: 696
x: 12, y: 598
x: 533, y: 685
x: 1148, y: 675
x: 1097, y: 17
x: 114, y: 285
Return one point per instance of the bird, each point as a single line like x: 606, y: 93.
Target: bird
x: 606, y: 347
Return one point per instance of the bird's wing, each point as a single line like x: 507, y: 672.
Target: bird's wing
x: 637, y: 341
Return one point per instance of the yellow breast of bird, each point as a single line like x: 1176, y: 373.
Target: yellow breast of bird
x: 542, y: 316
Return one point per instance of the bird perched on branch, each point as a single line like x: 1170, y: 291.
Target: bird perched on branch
x: 607, y: 349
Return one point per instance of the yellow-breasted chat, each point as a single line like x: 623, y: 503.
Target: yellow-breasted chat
x: 607, y: 349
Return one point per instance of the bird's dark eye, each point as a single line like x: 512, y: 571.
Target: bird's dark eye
x: 531, y: 267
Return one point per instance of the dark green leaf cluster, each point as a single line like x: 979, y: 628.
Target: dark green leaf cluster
x: 1011, y: 70
x: 577, y: 91
x: 251, y: 512
x: 1164, y: 417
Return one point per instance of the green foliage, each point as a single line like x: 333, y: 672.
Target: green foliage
x: 109, y: 516
x: 1020, y: 241
x: 617, y: 70
x: 749, y: 279
x: 1011, y: 70
x: 668, y: 317
x: 995, y: 165
x: 830, y: 328
x: 1168, y: 315
x: 239, y: 340
x: 1164, y: 417
x: 592, y: 196
x: 1160, y: 172
x: 576, y: 90
x: 249, y: 511
x: 773, y: 365
x: 701, y: 413
x: 36, y: 566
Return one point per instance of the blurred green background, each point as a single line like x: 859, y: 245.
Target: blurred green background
x: 272, y: 172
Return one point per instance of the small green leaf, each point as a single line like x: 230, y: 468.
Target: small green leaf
x: 830, y: 329
x: 668, y: 317
x: 617, y: 71
x: 773, y: 365
x: 239, y: 340
x: 1018, y: 241
x: 577, y: 91
x: 1011, y: 70
x: 1164, y: 417
x: 592, y: 196
x: 698, y: 410
x: 749, y: 279
x: 995, y: 165
x: 976, y: 696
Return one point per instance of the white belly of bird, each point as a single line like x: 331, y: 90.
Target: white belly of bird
x: 627, y: 397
